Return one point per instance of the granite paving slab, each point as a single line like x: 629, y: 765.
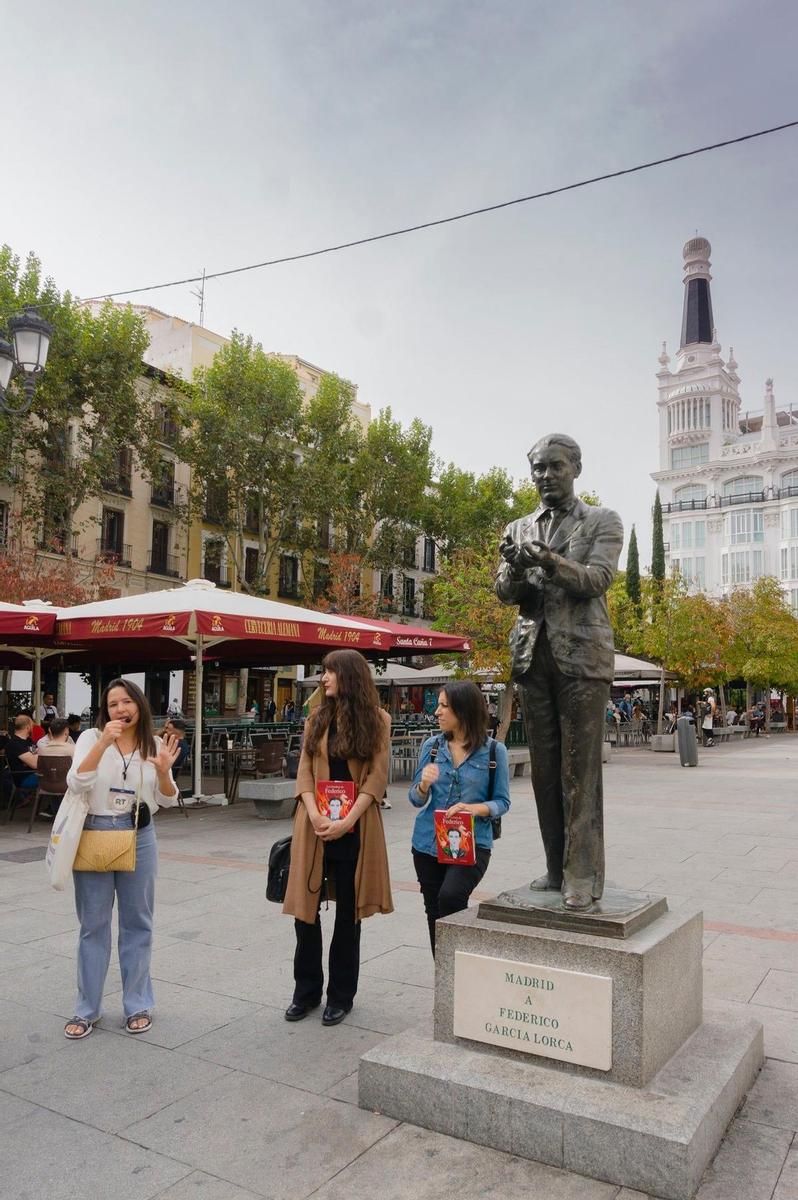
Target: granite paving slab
x: 787, y: 1187
x: 406, y: 964
x: 182, y: 1014
x: 50, y: 984
x: 748, y: 1164
x: 773, y: 1100
x: 201, y: 1186
x: 428, y: 1166
x: 304, y: 1054
x: 779, y: 989
x: 388, y: 1007
x: 108, y: 1082
x: 274, y: 1140
x: 50, y: 1157
x: 27, y: 1034
x: 28, y: 925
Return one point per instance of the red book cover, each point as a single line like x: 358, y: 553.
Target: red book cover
x: 335, y: 797
x: 454, y: 837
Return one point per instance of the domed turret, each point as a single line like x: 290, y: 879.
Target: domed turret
x: 697, y: 322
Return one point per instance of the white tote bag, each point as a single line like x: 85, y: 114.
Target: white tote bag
x: 64, y: 838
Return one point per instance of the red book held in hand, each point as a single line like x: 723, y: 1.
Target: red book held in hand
x: 335, y: 797
x: 454, y: 838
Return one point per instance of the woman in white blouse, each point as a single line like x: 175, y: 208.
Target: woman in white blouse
x: 118, y: 761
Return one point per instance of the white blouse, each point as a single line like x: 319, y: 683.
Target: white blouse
x: 113, y: 787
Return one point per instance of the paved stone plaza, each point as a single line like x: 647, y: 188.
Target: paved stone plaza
x: 223, y: 1100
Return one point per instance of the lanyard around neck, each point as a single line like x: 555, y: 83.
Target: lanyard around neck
x: 125, y: 761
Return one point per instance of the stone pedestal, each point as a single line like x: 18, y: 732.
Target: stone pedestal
x: 274, y: 799
x: 583, y: 1051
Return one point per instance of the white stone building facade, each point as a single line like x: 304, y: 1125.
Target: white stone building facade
x: 728, y: 475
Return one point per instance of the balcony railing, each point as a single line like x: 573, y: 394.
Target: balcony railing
x: 164, y: 564
x: 676, y: 506
x: 120, y: 485
x: 120, y: 556
x: 743, y: 498
x: 57, y: 543
x: 167, y: 431
x: 164, y: 495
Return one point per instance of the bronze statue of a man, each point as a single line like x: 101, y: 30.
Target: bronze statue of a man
x: 557, y: 564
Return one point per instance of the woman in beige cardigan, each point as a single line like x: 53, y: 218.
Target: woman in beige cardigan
x: 338, y: 858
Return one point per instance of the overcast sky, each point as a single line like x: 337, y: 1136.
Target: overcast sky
x: 143, y: 142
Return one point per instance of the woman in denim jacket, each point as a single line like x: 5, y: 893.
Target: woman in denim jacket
x: 453, y: 774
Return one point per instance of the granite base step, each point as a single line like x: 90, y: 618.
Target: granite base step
x: 657, y: 1139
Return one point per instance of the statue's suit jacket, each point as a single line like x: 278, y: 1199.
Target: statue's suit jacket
x: 571, y: 602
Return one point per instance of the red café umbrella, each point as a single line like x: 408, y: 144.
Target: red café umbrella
x: 199, y: 620
x: 26, y: 637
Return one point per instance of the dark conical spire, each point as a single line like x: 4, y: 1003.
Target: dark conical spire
x: 697, y: 322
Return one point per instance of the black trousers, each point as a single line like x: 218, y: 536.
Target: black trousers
x: 344, y: 965
x: 564, y: 717
x: 446, y: 888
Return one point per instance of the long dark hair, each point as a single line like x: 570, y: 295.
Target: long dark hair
x: 359, y: 726
x: 145, y: 731
x: 468, y: 705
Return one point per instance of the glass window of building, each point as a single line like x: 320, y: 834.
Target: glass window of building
x: 758, y: 525
x: 700, y: 533
x: 740, y: 526
x: 687, y: 535
x: 675, y: 535
x: 689, y: 456
x: 691, y: 493
x: 700, y: 572
x: 745, y: 486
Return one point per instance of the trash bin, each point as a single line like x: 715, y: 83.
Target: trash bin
x: 687, y: 741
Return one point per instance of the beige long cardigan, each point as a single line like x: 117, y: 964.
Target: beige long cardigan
x: 372, y: 878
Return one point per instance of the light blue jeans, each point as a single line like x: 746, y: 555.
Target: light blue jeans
x: 94, y: 901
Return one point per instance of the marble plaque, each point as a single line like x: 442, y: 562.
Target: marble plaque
x: 534, y: 1009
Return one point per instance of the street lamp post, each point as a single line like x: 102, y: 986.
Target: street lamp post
x: 25, y: 355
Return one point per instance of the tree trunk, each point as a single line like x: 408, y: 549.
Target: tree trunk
x: 505, y: 712
x: 748, y: 700
x: 243, y: 682
x: 661, y: 713
x: 722, y: 694
x: 767, y: 710
x: 5, y: 677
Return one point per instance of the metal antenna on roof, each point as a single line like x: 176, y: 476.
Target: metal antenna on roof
x: 200, y: 294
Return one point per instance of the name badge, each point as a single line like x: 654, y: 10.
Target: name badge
x: 119, y: 798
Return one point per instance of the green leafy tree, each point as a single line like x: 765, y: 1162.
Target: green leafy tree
x: 91, y: 402
x: 465, y: 602
x: 388, y: 487
x: 763, y: 638
x: 243, y: 431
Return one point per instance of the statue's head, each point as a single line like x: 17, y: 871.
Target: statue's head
x: 555, y: 462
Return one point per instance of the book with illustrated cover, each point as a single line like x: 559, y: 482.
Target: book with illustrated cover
x: 335, y: 797
x: 454, y: 838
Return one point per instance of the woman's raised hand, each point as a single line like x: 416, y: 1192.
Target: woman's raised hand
x: 166, y: 754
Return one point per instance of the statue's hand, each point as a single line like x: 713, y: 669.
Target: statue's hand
x: 536, y: 554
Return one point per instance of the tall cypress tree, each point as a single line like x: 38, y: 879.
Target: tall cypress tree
x: 657, y: 544
x: 633, y: 570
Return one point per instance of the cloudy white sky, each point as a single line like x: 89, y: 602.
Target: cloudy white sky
x: 143, y: 142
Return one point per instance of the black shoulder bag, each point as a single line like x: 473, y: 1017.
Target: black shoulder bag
x: 279, y: 866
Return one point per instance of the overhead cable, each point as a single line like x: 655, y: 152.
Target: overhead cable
x: 474, y: 212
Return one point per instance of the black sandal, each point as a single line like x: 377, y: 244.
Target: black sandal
x: 84, y: 1026
x: 138, y: 1017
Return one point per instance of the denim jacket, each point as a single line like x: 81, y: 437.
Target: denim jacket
x: 467, y: 783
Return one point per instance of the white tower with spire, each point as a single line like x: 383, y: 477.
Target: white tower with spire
x: 728, y: 478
